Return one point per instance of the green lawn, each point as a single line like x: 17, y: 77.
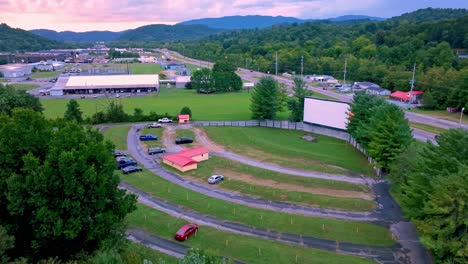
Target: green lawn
x: 25, y: 87
x: 323, y: 96
x: 217, y: 165
x: 428, y: 128
x: 136, y: 254
x: 455, y: 117
x: 285, y: 147
x: 118, y: 136
x: 46, y: 74
x: 242, y: 248
x: 154, y: 131
x: 228, y: 106
x: 144, y: 68
x: 332, y: 229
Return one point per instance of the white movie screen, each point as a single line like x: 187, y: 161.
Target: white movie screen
x: 326, y: 113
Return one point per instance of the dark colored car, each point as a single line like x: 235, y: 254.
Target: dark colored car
x: 130, y: 169
x: 125, y: 163
x: 183, y: 140
x: 118, y: 153
x: 185, y: 232
x: 148, y: 137
x: 152, y: 151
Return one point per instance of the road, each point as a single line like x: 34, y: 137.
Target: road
x: 253, y: 76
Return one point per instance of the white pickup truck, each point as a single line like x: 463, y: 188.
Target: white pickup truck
x: 165, y: 120
x: 154, y: 125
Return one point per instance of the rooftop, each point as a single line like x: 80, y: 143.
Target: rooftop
x: 103, y: 81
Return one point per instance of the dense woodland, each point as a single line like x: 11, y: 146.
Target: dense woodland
x: 382, y: 52
x: 18, y: 40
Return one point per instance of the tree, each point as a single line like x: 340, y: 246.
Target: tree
x: 73, y: 111
x: 389, y: 134
x: 188, y: 86
x: 202, y: 80
x: 11, y: 98
x: 296, y: 103
x: 225, y: 78
x: 115, y: 113
x: 265, y: 99
x: 428, y: 100
x: 186, y: 111
x: 60, y: 194
x: 6, y: 242
x: 433, y: 190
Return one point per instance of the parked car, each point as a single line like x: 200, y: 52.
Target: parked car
x: 148, y: 137
x: 118, y: 153
x: 165, y: 120
x: 122, y: 163
x: 183, y: 140
x: 185, y: 232
x: 154, y: 125
x: 131, y: 169
x: 152, y: 151
x: 215, y: 179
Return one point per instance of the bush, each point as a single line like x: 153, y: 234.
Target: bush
x: 186, y: 111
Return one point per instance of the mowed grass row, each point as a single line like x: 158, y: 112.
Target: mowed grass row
x: 286, y: 148
x: 336, y: 230
x: 242, y: 248
x: 215, y: 107
x: 117, y: 135
x: 217, y: 165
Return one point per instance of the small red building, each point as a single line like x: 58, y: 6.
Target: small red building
x: 405, y: 96
x: 186, y: 159
x: 183, y: 119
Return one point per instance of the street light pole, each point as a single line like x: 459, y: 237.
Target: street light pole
x: 461, y: 116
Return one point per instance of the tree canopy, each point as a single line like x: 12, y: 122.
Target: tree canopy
x: 11, y: 98
x: 267, y: 99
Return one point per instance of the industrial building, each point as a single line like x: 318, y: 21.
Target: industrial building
x: 16, y: 70
x: 101, y: 84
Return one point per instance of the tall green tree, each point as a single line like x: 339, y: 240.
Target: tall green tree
x: 186, y: 111
x: 202, y: 80
x: 296, y: 102
x: 389, y: 134
x: 225, y: 77
x: 11, y: 98
x: 73, y: 111
x: 60, y: 195
x: 265, y: 100
x: 433, y: 190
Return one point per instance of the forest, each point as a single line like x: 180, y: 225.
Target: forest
x: 383, y: 52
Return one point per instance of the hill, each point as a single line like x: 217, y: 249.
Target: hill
x: 18, y: 40
x: 355, y: 17
x: 164, y: 33
x: 70, y: 36
x: 242, y: 22
x: 432, y: 14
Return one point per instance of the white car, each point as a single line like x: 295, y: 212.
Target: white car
x: 165, y: 120
x: 154, y: 125
x: 215, y: 179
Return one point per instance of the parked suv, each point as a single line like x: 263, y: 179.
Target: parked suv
x: 152, y: 151
x: 183, y: 140
x: 122, y: 163
x: 148, y: 137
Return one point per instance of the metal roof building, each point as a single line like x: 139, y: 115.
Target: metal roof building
x: 98, y: 84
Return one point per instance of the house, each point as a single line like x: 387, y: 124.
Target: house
x: 364, y: 85
x: 186, y: 159
x: 319, y: 78
x: 49, y: 65
x: 378, y: 91
x: 413, y: 98
x: 173, y: 65
x: 181, y: 81
x: 183, y: 119
x: 16, y: 70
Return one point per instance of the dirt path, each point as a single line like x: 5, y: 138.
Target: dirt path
x: 204, y: 140
x: 292, y: 187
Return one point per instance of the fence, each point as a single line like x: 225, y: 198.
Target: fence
x: 294, y: 126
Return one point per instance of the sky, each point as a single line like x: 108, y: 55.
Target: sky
x: 117, y: 15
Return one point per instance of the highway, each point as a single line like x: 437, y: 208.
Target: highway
x: 253, y: 76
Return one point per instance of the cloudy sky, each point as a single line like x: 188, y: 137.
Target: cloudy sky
x: 85, y: 15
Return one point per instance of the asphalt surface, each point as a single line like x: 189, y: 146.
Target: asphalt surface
x: 381, y: 254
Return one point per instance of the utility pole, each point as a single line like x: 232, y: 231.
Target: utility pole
x: 412, y: 86
x: 344, y: 72
x: 276, y: 63
x: 302, y: 65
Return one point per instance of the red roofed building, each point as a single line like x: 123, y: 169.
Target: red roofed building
x: 405, y: 96
x: 183, y: 119
x: 186, y: 159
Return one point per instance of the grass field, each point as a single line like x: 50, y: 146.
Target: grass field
x: 25, y: 87
x: 428, y: 128
x: 455, y: 117
x: 46, y: 74
x: 332, y: 229
x: 136, y: 254
x: 144, y: 68
x: 118, y: 136
x: 285, y: 147
x: 242, y: 248
x: 228, y: 106
x: 254, y: 181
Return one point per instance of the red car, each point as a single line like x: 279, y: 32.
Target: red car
x: 186, y: 231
